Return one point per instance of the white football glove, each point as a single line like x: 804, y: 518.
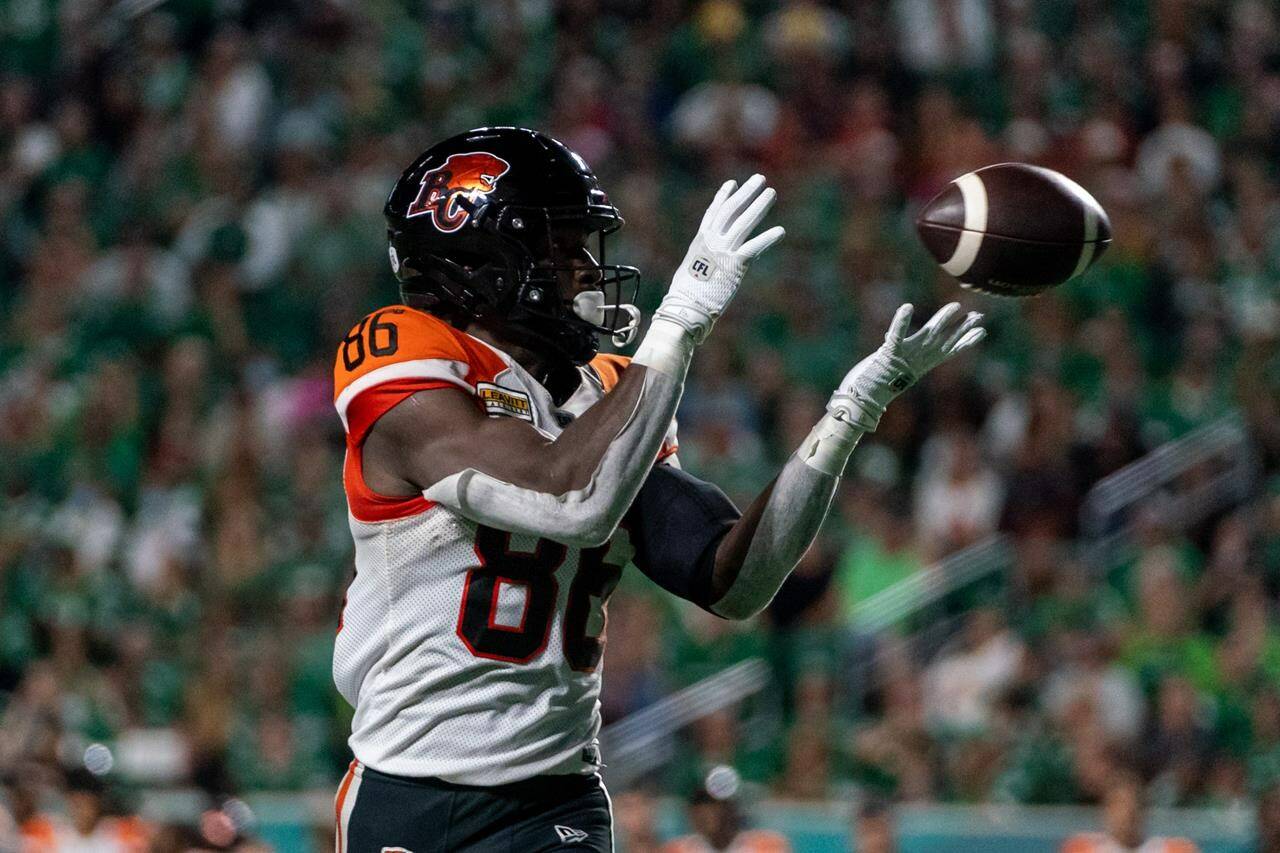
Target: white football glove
x: 719, y: 255
x: 873, y: 383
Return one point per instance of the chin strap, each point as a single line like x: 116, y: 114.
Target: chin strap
x: 590, y: 305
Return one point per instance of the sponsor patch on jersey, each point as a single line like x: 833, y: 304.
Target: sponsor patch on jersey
x: 500, y: 401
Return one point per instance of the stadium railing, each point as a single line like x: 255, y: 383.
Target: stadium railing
x: 642, y: 741
x: 1186, y: 480
x: 903, y: 599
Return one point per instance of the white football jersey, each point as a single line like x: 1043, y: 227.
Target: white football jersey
x: 470, y: 654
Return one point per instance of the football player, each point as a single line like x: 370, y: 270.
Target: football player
x: 500, y: 473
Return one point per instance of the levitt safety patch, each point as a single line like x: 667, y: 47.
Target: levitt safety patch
x: 501, y: 401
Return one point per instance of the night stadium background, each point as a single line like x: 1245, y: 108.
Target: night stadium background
x: 1054, y: 569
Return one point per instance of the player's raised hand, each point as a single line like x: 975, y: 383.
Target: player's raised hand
x: 719, y: 255
x: 901, y: 360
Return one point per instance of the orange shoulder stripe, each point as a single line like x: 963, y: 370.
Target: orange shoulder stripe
x: 399, y: 335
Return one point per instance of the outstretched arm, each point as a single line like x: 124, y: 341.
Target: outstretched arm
x: 760, y: 550
x: 576, y: 488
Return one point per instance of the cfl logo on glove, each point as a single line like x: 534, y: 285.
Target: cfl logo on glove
x: 700, y: 269
x: 452, y: 192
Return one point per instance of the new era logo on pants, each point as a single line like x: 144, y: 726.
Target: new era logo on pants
x: 569, y: 835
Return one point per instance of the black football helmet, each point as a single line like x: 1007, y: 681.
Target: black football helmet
x: 479, y: 226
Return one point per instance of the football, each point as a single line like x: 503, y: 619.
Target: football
x: 1013, y: 229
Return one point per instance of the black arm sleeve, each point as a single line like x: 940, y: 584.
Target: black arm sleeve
x: 676, y: 523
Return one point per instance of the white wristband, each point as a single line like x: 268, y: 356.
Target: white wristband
x: 829, y: 444
x: 666, y: 348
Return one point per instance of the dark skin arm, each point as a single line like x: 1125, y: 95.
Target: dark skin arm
x: 435, y: 434
x: 733, y: 548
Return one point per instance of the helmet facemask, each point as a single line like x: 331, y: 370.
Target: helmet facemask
x: 598, y: 293
x: 570, y: 294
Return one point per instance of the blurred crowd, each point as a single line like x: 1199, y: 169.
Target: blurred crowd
x: 190, y: 218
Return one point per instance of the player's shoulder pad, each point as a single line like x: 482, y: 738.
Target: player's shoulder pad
x: 609, y: 367
x: 391, y: 336
x: 407, y: 350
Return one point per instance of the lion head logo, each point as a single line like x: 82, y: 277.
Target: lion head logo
x: 450, y: 192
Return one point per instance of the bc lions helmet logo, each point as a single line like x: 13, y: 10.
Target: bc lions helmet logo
x: 449, y: 192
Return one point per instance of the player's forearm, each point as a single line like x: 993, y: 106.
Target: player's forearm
x: 762, y: 549
x: 587, y: 513
x: 599, y: 470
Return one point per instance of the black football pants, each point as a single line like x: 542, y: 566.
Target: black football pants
x: 379, y: 813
